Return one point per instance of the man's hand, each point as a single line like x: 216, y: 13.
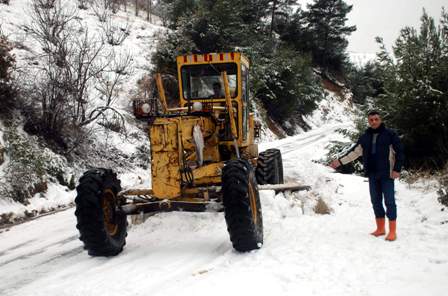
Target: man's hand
x: 395, y: 175
x: 335, y: 164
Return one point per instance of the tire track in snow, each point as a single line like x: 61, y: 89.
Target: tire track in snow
x: 299, y: 142
x: 35, y: 252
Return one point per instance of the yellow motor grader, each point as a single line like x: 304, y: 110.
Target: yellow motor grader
x: 203, y: 158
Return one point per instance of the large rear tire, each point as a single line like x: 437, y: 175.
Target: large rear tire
x: 270, y: 167
x: 102, y: 228
x: 242, y: 206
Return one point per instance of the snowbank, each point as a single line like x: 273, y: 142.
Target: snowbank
x: 303, y: 253
x: 54, y: 198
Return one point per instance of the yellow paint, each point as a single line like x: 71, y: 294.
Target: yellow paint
x: 165, y: 160
x: 229, y: 105
x: 161, y: 90
x: 209, y: 174
x: 173, y: 147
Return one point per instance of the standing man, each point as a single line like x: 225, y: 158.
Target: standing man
x: 382, y: 156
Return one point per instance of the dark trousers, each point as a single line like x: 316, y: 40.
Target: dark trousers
x: 383, y: 187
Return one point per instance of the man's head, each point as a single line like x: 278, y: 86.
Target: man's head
x: 217, y: 89
x: 374, y: 119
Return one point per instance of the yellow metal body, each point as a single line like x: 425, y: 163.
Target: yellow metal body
x: 162, y: 96
x: 181, y: 167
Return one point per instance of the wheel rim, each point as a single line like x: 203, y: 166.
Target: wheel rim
x: 108, y: 205
x: 253, y: 203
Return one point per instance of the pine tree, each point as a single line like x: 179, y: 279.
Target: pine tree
x: 288, y: 86
x: 7, y: 89
x: 281, y: 76
x: 365, y: 82
x: 327, y: 27
x: 175, y: 9
x: 295, y: 32
x: 415, y: 99
x: 279, y: 10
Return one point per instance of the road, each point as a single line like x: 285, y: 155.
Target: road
x: 190, y: 253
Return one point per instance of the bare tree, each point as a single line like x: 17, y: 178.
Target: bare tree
x: 82, y: 4
x: 149, y: 10
x: 51, y: 27
x: 163, y: 10
x: 115, y: 33
x: 71, y: 69
x: 102, y: 9
x: 115, y: 5
x: 108, y: 84
x: 48, y: 3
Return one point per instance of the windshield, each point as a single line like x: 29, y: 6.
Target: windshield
x: 204, y: 81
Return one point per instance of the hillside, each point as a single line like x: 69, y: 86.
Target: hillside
x: 122, y: 149
x: 125, y: 150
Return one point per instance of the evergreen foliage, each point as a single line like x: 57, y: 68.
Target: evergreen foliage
x: 415, y: 99
x: 175, y: 9
x: 7, y: 89
x: 30, y: 166
x: 328, y: 30
x: 277, y: 36
x: 288, y: 86
x: 365, y: 82
x: 322, y: 31
x: 410, y: 88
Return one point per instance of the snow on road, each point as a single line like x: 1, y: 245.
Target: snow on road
x: 304, y: 253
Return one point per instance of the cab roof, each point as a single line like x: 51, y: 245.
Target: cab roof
x: 206, y: 58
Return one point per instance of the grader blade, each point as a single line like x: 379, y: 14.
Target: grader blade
x: 284, y: 187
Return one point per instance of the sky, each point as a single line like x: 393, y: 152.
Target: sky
x: 385, y: 18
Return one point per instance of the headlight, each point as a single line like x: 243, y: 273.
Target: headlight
x: 197, y: 106
x: 146, y: 108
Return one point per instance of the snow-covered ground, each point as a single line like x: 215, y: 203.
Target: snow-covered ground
x: 190, y: 254
x: 332, y: 110
x: 304, y: 253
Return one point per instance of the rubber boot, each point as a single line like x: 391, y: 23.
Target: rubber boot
x: 392, y: 235
x: 380, y: 227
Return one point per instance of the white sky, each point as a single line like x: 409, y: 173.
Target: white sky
x: 385, y: 18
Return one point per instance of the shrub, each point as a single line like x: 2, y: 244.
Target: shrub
x: 287, y: 85
x: 7, y: 89
x: 29, y: 168
x: 25, y: 173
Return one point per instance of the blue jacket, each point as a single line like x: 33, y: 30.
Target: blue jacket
x: 389, y: 152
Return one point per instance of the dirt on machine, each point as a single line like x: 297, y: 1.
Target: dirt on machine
x: 204, y: 158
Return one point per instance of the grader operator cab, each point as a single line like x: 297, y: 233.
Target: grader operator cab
x: 203, y: 158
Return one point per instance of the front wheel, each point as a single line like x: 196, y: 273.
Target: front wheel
x: 242, y: 206
x: 102, y: 228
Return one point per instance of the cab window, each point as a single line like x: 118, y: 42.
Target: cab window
x: 204, y: 81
